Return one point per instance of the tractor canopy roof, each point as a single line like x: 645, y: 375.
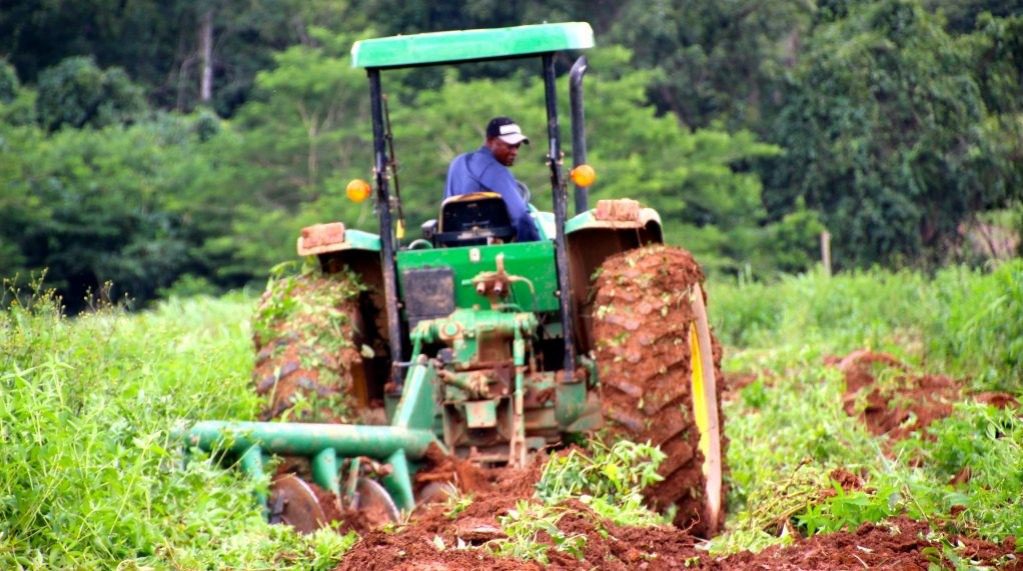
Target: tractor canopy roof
x: 470, y: 45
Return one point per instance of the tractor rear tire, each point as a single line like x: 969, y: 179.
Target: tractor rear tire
x: 306, y: 333
x: 659, y: 371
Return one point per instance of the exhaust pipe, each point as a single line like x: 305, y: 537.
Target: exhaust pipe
x: 575, y: 97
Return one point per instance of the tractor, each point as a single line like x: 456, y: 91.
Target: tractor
x: 492, y: 349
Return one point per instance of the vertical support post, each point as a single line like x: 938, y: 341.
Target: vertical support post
x: 399, y: 481
x: 386, y: 223
x: 575, y: 101
x: 826, y: 252
x: 560, y: 215
x: 325, y: 470
x: 416, y: 408
x: 517, y: 446
x: 252, y: 465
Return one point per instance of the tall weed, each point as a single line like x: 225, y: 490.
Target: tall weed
x: 788, y: 429
x: 960, y: 321
x: 91, y: 478
x: 980, y: 332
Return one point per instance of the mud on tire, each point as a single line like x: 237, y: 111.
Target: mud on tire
x: 645, y: 325
x: 306, y: 336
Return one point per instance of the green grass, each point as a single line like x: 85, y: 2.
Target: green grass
x: 963, y: 322
x: 788, y: 429
x: 90, y: 477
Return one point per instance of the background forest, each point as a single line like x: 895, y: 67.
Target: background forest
x: 178, y: 147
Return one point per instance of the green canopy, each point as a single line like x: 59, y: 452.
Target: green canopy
x: 468, y: 45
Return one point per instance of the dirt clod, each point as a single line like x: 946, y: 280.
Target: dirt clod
x: 889, y: 399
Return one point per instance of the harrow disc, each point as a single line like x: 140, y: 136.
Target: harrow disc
x: 294, y: 502
x: 374, y: 504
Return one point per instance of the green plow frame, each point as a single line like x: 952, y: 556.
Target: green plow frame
x: 406, y: 438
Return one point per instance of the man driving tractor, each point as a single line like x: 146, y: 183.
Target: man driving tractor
x: 486, y: 169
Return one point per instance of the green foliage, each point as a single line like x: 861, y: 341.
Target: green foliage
x: 693, y: 178
x: 527, y: 525
x: 982, y: 440
x: 876, y: 308
x: 610, y: 480
x: 988, y: 442
x: 899, y: 491
x: 883, y: 127
x: 9, y: 84
x: 92, y: 207
x: 788, y: 429
x: 77, y: 93
x: 318, y: 310
x: 714, y: 61
x: 962, y: 320
x: 996, y: 54
x: 158, y: 41
x: 981, y: 332
x: 92, y: 477
x: 880, y: 131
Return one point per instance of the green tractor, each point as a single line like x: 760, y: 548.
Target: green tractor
x: 489, y: 349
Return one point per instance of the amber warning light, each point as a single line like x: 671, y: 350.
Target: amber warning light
x: 583, y: 175
x: 357, y: 190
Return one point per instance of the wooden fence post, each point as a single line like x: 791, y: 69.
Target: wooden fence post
x: 826, y: 251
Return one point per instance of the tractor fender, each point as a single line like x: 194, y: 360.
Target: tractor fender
x: 333, y: 237
x: 613, y: 226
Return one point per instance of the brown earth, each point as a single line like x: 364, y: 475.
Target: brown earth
x: 641, y: 326
x: 894, y: 402
x: 306, y: 339
x: 899, y: 543
x: 435, y: 539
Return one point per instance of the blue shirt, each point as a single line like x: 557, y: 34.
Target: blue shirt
x: 480, y: 171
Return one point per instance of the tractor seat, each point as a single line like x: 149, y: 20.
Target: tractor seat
x: 474, y: 219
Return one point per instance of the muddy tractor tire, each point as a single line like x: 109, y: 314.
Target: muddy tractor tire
x: 659, y: 371
x: 309, y: 348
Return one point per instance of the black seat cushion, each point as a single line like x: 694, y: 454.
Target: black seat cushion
x: 474, y: 219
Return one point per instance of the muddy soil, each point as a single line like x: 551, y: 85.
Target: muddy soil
x: 305, y: 333
x: 895, y: 402
x: 437, y: 538
x: 642, y: 317
x: 440, y: 538
x: 898, y: 543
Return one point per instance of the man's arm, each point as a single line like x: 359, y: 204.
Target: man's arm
x: 500, y: 180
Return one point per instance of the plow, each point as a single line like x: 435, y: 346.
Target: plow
x: 468, y: 343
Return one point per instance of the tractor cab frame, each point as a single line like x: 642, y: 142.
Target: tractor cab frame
x: 543, y: 41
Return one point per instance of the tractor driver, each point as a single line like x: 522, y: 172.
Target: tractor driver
x: 486, y: 169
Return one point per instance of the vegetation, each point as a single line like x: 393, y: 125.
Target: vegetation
x: 608, y: 479
x: 93, y: 479
x: 92, y: 476
x: 789, y: 431
x: 171, y: 152
x: 140, y: 154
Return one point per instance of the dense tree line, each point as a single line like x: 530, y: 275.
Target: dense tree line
x: 179, y: 146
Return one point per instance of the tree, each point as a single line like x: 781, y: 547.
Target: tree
x: 715, y: 61
x: 695, y: 179
x: 300, y: 139
x: 882, y: 134
x: 93, y: 206
x: 77, y: 93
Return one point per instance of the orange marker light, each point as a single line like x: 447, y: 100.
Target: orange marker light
x: 583, y: 175
x: 357, y: 190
